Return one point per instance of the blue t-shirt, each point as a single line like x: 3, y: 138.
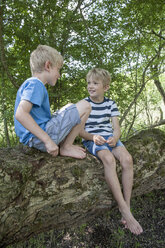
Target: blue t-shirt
x: 34, y: 91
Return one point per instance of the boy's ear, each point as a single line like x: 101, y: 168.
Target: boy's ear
x: 47, y: 65
x: 106, y: 88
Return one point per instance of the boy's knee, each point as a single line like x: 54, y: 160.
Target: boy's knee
x: 83, y: 107
x: 87, y: 106
x: 127, y: 161
x: 107, y: 158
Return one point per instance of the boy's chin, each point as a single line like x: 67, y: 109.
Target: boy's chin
x: 93, y: 96
x: 52, y: 83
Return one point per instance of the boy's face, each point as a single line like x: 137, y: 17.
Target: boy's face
x: 53, y: 74
x: 96, y: 89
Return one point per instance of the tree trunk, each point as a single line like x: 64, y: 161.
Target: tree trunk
x: 39, y: 192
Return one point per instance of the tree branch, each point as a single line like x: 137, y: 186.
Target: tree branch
x: 159, y: 35
x: 160, y: 123
x: 88, y: 4
x: 39, y: 192
x: 142, y: 86
x: 160, y: 89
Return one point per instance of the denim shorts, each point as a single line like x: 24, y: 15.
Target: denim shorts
x: 93, y: 148
x: 59, y: 126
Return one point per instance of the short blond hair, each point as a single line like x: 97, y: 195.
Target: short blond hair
x: 42, y: 54
x: 99, y: 74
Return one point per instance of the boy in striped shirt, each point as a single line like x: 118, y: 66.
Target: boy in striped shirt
x: 101, y: 138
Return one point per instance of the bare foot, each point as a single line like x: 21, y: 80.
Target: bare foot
x: 130, y: 222
x: 72, y: 151
x: 123, y: 221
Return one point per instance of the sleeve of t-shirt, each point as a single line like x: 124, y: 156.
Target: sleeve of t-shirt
x: 33, y: 92
x: 114, y: 110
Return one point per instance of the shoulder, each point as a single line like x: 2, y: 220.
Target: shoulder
x: 108, y: 100
x: 109, y: 103
x: 34, y: 91
x: 112, y: 106
x: 32, y: 85
x: 33, y: 82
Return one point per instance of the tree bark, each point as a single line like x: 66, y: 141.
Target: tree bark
x: 39, y: 192
x: 160, y: 89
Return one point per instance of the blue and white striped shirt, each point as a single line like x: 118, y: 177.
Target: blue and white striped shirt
x: 99, y: 119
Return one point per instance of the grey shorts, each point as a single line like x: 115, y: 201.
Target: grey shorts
x: 59, y: 126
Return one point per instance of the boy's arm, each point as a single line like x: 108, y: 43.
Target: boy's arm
x: 23, y: 116
x: 85, y: 135
x: 116, y: 132
x: 98, y: 140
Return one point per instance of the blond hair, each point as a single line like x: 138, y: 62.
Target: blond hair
x: 42, y: 54
x: 99, y: 74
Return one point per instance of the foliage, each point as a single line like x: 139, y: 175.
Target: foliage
x: 125, y: 37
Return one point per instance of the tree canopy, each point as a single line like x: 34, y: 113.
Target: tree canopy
x: 126, y: 37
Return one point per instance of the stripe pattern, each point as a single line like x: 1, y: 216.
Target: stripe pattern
x: 99, y: 119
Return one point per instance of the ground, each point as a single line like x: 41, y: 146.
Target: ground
x: 106, y: 231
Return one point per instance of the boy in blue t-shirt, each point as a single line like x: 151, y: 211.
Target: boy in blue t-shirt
x: 34, y: 124
x: 101, y: 138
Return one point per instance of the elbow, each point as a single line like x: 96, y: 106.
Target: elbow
x: 18, y: 115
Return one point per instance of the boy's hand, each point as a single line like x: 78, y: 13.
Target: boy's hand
x: 111, y: 141
x: 98, y: 140
x: 52, y: 148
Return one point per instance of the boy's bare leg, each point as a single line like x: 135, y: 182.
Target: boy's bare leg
x: 113, y: 183
x: 67, y: 148
x: 127, y: 173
